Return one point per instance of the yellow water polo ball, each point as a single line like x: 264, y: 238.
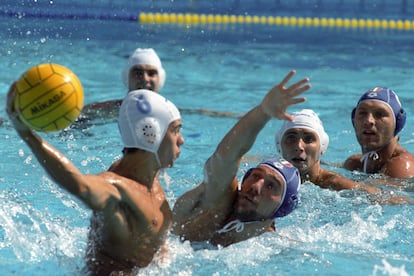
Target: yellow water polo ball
x: 49, y: 97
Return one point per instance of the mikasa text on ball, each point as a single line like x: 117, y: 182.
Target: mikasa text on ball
x: 49, y: 97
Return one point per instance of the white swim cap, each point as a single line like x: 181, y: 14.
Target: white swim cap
x: 144, y: 118
x: 306, y: 118
x: 144, y: 56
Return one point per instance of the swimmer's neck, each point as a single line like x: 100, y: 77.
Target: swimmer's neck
x: 141, y: 167
x: 386, y: 151
x: 311, y: 174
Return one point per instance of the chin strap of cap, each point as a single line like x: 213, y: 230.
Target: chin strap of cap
x: 236, y: 225
x: 369, y: 155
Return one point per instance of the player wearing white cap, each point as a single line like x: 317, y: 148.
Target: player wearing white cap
x: 143, y: 70
x: 131, y: 216
x: 303, y: 141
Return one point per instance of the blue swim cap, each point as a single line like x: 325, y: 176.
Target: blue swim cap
x: 388, y: 97
x: 290, y: 174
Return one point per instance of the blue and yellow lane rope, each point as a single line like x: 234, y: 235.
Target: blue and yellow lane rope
x: 293, y: 21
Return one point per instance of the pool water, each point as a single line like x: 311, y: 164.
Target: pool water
x: 217, y: 67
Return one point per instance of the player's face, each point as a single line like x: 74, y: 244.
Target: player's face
x: 144, y: 76
x: 301, y: 147
x: 374, y: 125
x: 260, y: 195
x: 169, y: 149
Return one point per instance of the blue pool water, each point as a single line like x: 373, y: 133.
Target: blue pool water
x: 219, y: 67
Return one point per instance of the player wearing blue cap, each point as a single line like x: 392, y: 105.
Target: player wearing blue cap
x: 215, y: 211
x: 377, y: 120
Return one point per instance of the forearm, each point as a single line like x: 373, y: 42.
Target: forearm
x: 56, y: 165
x: 60, y: 169
x: 369, y: 189
x: 221, y: 168
x: 241, y: 137
x: 339, y: 182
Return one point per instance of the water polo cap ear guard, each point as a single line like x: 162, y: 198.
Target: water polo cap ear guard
x: 293, y: 181
x: 388, y: 97
x: 148, y: 132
